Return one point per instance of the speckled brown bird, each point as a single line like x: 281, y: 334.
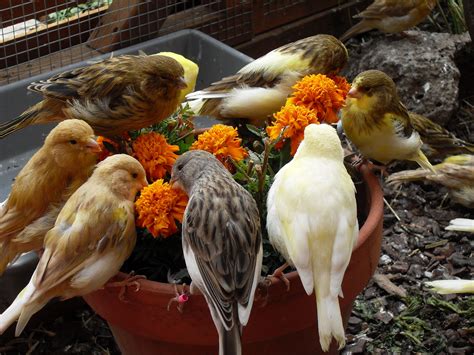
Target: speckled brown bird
x: 455, y: 172
x: 92, y: 237
x: 261, y: 87
x: 378, y: 124
x: 114, y: 95
x: 390, y: 16
x: 55, y: 171
x: 438, y: 142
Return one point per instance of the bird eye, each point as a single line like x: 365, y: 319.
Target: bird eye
x: 134, y: 175
x: 180, y: 167
x: 73, y: 141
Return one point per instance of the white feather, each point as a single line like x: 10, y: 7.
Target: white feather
x: 452, y: 286
x: 244, y: 312
x: 461, y: 225
x: 3, y: 207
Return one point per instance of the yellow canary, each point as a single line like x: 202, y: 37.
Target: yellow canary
x: 261, y: 87
x: 55, y: 171
x: 391, y: 16
x: 191, y: 71
x: 378, y: 124
x: 92, y: 237
x: 114, y: 95
x: 316, y: 235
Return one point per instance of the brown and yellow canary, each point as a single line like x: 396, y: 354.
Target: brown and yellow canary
x: 378, y: 124
x: 390, y: 16
x: 261, y: 87
x: 115, y: 95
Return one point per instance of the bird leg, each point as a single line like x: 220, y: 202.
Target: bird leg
x: 278, y: 273
x: 131, y: 280
x: 265, y: 283
x: 181, y: 298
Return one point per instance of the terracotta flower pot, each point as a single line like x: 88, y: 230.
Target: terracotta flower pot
x: 285, y: 325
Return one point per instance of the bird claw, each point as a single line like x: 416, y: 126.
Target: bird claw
x: 265, y: 283
x: 131, y: 280
x: 181, y: 298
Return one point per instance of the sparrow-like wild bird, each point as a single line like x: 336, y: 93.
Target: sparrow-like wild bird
x: 378, y: 124
x: 115, y: 95
x: 315, y: 234
x: 54, y: 172
x: 390, y: 16
x: 261, y: 87
x: 455, y: 172
x: 222, y: 243
x: 92, y: 237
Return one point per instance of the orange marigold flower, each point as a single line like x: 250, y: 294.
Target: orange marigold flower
x: 319, y: 93
x: 104, y: 152
x: 222, y: 141
x: 155, y: 154
x: 159, y: 207
x: 342, y: 84
x: 294, y: 119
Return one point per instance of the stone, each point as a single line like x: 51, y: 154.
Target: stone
x: 421, y: 64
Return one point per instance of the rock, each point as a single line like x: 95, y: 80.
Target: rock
x: 422, y: 65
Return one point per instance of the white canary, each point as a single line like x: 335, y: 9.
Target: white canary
x: 312, y: 222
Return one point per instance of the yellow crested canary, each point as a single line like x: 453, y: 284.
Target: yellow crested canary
x: 261, y: 87
x: 378, y: 124
x: 55, y: 171
x: 115, y: 95
x: 92, y: 237
x: 316, y: 235
x: 391, y: 16
x: 456, y: 173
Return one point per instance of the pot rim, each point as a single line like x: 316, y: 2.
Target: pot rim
x: 369, y: 226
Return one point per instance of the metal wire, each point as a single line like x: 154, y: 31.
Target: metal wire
x: 40, y: 35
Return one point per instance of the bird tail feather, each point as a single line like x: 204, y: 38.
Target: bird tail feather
x: 358, y: 28
x: 22, y: 121
x: 230, y: 340
x: 423, y: 161
x: 15, y: 310
x: 461, y: 225
x: 330, y: 322
x: 7, y: 255
x: 452, y: 286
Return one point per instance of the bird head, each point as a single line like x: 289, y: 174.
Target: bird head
x: 72, y: 141
x: 123, y: 174
x: 320, y: 140
x: 190, y: 166
x: 327, y: 54
x: 165, y: 76
x: 191, y: 71
x: 372, y: 90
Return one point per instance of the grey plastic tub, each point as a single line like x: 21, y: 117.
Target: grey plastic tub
x: 214, y: 58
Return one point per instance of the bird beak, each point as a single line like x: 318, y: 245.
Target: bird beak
x: 182, y: 84
x: 143, y: 183
x: 93, y: 146
x: 174, y: 182
x: 354, y: 93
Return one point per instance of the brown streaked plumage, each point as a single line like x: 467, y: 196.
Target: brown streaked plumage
x: 114, y: 95
x: 55, y: 171
x: 93, y: 235
x: 222, y: 243
x: 261, y: 87
x: 391, y: 16
x: 455, y: 172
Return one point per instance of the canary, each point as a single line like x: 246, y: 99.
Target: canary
x: 222, y: 242
x: 93, y: 235
x: 316, y: 235
x: 261, y: 87
x: 461, y: 225
x: 55, y: 171
x: 391, y: 16
x: 191, y: 71
x: 378, y: 124
x: 437, y: 141
x: 114, y: 95
x: 452, y: 286
x: 456, y: 173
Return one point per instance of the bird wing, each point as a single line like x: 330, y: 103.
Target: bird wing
x: 225, y: 239
x: 3, y: 207
x: 381, y: 9
x: 400, y: 118
x: 85, y: 230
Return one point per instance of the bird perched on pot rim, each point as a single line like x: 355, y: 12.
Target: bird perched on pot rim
x: 115, y: 95
x: 56, y: 170
x: 261, y: 87
x: 92, y: 237
x: 390, y: 16
x: 456, y: 173
x: 222, y: 242
x: 191, y: 71
x: 378, y: 124
x: 313, y: 234
x: 438, y: 142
